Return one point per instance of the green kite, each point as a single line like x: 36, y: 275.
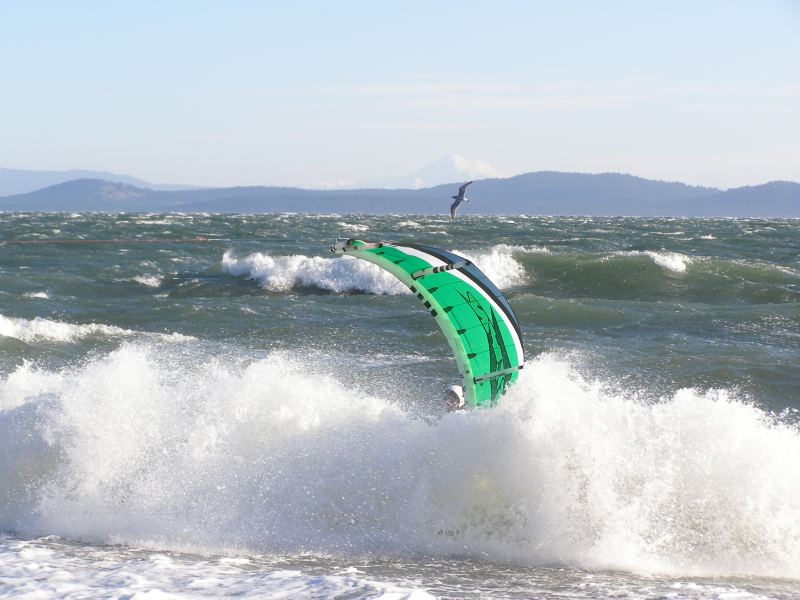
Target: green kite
x: 473, y: 314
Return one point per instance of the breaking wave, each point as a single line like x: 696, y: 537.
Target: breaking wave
x: 347, y: 274
x: 635, y: 274
x: 283, y: 273
x: 499, y: 264
x: 651, y: 275
x: 45, y: 330
x: 671, y: 261
x: 149, y: 447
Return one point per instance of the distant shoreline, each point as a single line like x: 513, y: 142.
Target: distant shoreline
x: 543, y: 193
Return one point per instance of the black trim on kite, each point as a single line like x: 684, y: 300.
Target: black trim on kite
x: 482, y: 281
x: 463, y: 264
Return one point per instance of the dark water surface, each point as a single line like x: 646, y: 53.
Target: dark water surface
x: 253, y: 407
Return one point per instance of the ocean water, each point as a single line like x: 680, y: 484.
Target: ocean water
x: 246, y: 415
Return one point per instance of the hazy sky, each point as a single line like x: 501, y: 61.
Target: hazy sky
x: 298, y: 93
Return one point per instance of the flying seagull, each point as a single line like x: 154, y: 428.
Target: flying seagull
x: 458, y: 200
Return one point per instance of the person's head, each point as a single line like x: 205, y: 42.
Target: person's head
x: 454, y: 397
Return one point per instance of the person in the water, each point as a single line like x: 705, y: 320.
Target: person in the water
x: 454, y: 398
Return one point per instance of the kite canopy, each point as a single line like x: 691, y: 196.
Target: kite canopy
x: 473, y: 314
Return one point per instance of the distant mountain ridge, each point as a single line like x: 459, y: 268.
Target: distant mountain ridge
x: 22, y: 181
x: 540, y: 193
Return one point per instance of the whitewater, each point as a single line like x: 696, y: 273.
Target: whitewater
x: 255, y: 417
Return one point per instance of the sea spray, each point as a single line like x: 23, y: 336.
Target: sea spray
x: 345, y: 274
x: 151, y: 446
x: 282, y: 273
x: 499, y: 265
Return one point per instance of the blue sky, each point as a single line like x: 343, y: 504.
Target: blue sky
x: 302, y: 93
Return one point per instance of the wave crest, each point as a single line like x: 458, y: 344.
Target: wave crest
x: 282, y: 273
x: 346, y: 274
x: 499, y: 265
x: 671, y: 261
x: 154, y: 448
x: 39, y: 329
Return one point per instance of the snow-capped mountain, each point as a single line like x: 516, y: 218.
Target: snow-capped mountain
x: 450, y: 169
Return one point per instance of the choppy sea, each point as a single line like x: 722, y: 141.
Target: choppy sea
x: 250, y: 416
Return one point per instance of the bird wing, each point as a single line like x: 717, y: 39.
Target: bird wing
x: 463, y: 188
x: 453, y: 208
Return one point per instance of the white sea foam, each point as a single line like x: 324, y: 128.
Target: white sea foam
x: 345, y: 274
x: 147, y: 280
x: 671, y: 261
x: 342, y: 274
x: 95, y: 572
x: 786, y: 270
x: 512, y: 248
x: 499, y: 265
x: 141, y: 447
x: 45, y: 329
x: 146, y: 220
x: 39, y: 329
x: 409, y: 225
x: 352, y: 226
